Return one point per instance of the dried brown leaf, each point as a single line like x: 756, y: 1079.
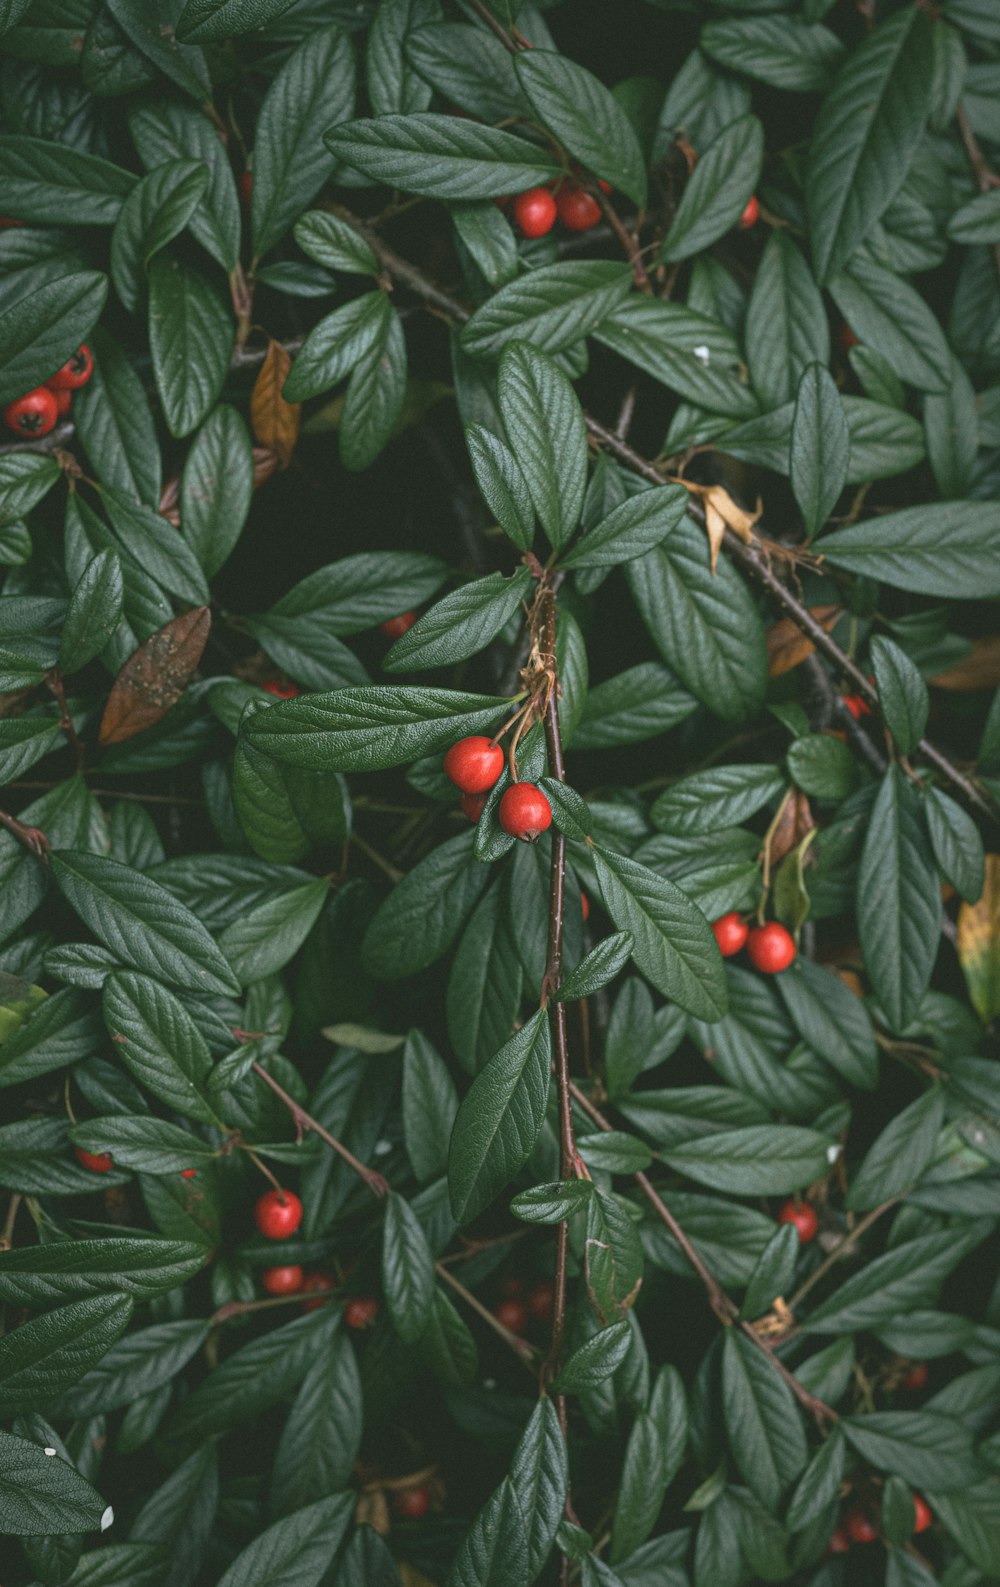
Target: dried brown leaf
x: 265, y: 463
x: 788, y: 646
x: 979, y: 670
x: 275, y: 421
x: 155, y: 676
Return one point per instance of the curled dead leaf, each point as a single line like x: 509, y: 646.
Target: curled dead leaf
x: 155, y: 676
x: 794, y: 822
x: 977, y: 941
x: 722, y: 513
x: 275, y: 422
x: 788, y: 646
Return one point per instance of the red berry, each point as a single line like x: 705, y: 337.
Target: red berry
x: 245, y: 185
x: 396, y: 627
x: 535, y: 212
x: 802, y: 1216
x: 282, y: 1280
x: 771, y: 948
x: 64, y: 401
x: 281, y: 690
x: 577, y: 209
x: 859, y: 1528
x: 605, y: 187
x: 751, y: 214
x: 474, y: 764
x: 541, y: 1301
x: 75, y: 372
x: 361, y: 1312
x: 585, y: 907
x: 412, y: 1503
x: 473, y: 805
x: 916, y: 1377
x: 513, y: 1314
x: 317, y: 1284
x: 33, y: 414
x: 847, y: 337
x: 188, y: 1173
x: 97, y: 1162
x: 278, y: 1214
x: 839, y: 1542
x: 730, y: 933
x: 525, y: 812
x: 925, y: 1514
x: 856, y: 705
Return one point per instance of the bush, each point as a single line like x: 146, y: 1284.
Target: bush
x: 388, y: 1200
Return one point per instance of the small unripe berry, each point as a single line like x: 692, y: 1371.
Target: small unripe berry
x: 412, y: 1503
x: 802, y: 1216
x: 361, y: 1312
x: 278, y: 1214
x: 577, y: 209
x: 859, y: 1528
x: 34, y: 414
x: 473, y: 805
x: 541, y: 1301
x: 916, y: 1377
x: 396, y: 627
x: 75, y: 372
x: 771, y: 948
x: 534, y: 212
x: 924, y: 1514
x: 513, y: 1314
x: 751, y: 214
x: 97, y: 1162
x: 317, y: 1284
x: 281, y: 689
x: 474, y: 764
x: 730, y: 932
x: 282, y: 1280
x: 525, y: 812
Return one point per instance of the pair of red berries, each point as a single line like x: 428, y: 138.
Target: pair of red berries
x: 802, y: 1217
x: 859, y: 1528
x: 474, y: 765
x: 770, y: 948
x: 292, y: 1279
x: 514, y: 1313
x: 537, y: 210
x: 37, y: 412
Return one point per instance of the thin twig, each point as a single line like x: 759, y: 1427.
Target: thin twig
x: 32, y: 837
x: 522, y: 1349
x: 401, y: 269
x: 485, y: 14
x: 377, y: 1183
x: 7, y: 1235
x: 838, y: 1251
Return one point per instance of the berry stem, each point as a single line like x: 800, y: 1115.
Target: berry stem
x: 521, y: 1347
x: 376, y: 1183
x: 55, y: 685
x: 259, y: 1163
x: 32, y: 837
x: 850, y: 1238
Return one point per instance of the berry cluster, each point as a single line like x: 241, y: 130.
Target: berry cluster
x: 37, y: 412
x: 536, y: 210
x: 770, y: 948
x: 474, y: 765
x: 517, y: 1309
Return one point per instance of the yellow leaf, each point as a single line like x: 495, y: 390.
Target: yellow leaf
x: 978, y: 944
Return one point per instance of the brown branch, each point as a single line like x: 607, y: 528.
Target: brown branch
x: 401, y: 269
x: 7, y: 1234
x: 496, y: 27
x: 522, y: 1349
x: 838, y: 1251
x: 377, y: 1184
x: 755, y: 564
x: 986, y: 177
x: 32, y: 837
x: 56, y: 688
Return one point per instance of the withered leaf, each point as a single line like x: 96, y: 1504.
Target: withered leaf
x: 265, y: 463
x: 788, y: 646
x: 795, y: 820
x: 978, y: 670
x: 275, y: 421
x: 155, y: 676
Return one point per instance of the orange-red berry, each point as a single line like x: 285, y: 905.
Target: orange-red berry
x: 924, y: 1514
x: 281, y: 688
x: 245, y: 184
x: 534, y: 212
x: 282, y: 1280
x: 839, y: 1542
x: 916, y: 1377
x: 64, y: 401
x: 474, y: 764
x: 97, y: 1162
x: 525, y: 812
x: 34, y: 414
x: 473, y: 805
x: 730, y: 932
x: 585, y: 907
x: 513, y: 1314
x: 847, y: 337
x: 541, y: 1301
x: 278, y: 1214
x: 396, y: 627
x: 361, y: 1312
x: 577, y: 209
x: 412, y: 1503
x: 75, y: 372
x: 859, y: 1528
x: 751, y: 214
x: 771, y: 948
x: 317, y: 1284
x: 188, y: 1173
x: 802, y: 1216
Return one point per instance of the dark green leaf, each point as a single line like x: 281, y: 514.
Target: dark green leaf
x: 760, y: 1160
x: 41, y: 1494
x: 551, y: 308
x: 209, y: 21
x: 948, y: 550
x: 957, y: 845
x: 296, y: 1551
x: 552, y: 1203
x: 44, y: 1357
x: 630, y: 530
x: 336, y: 345
x: 922, y: 1447
x: 898, y: 901
x: 38, y: 1274
x: 499, y: 1119
x: 786, y: 325
x: 322, y: 1434
x: 717, y: 193
x: 407, y: 1270
x: 819, y: 449
x: 156, y: 1038
x: 902, y: 693
x: 93, y: 614
x: 502, y: 484
x: 45, y: 181
x: 171, y: 129
x: 544, y: 424
x: 585, y: 117
x: 145, y: 1143
x: 429, y: 1107
x: 600, y: 966
x: 707, y: 801
x: 138, y: 1364
x: 495, y: 1550
x: 886, y: 312
x: 817, y: 1487
x: 439, y: 156
x: 781, y: 51
x: 40, y: 330
x: 216, y: 487
x: 155, y: 211
x: 895, y: 1161
x: 425, y: 911
x: 763, y: 1422
x: 890, y: 1286
x: 539, y: 1478
x: 595, y: 1360
x: 191, y: 339
x: 460, y: 624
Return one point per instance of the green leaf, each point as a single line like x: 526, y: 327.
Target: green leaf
x: 140, y: 922
x: 867, y: 129
x: 216, y: 488
x: 407, y: 1270
x: 150, y: 1145
x: 184, y: 64
x: 786, y: 324
x: 898, y: 1157
x: 495, y: 1550
x: 544, y: 424
x: 763, y: 1422
x: 552, y: 1203
x: 93, y: 613
x: 39, y: 331
x: 39, y: 1274
x: 781, y: 51
x: 951, y: 430
x: 335, y: 345
x: 375, y: 397
x: 424, y: 913
x: 594, y: 1361
x: 45, y: 1356
x: 585, y: 117
x: 819, y: 449
x: 485, y: 234
x: 614, y: 1152
x: 539, y: 1479
x: 439, y: 156
x: 322, y: 1434
x: 158, y: 1041
x: 822, y: 766
x: 774, y: 1273
x: 25, y: 740
x: 707, y: 801
x: 262, y: 941
x: 902, y: 693
x: 138, y: 1364
x: 460, y: 624
x: 957, y: 845
x: 653, y: 1456
x: 898, y: 901
x: 356, y: 593
x: 637, y: 704
x: 447, y: 1346
x: 154, y: 543
x: 760, y: 1160
x: 469, y: 68
x: 890, y: 1286
x: 551, y: 308
x: 950, y: 549
x: 484, y: 987
x: 429, y: 1107
x: 674, y: 946
x: 501, y: 484
x: 717, y: 193
x: 832, y: 1020
x: 156, y: 210
x: 978, y: 221
x: 172, y: 129
x: 371, y: 728
x: 499, y: 1119
x: 212, y: 21
x: 613, y: 1257
x: 393, y: 85
x: 49, y: 181
x: 191, y: 340
x: 887, y: 313
x: 631, y: 529
x: 600, y: 966
x: 296, y: 1551
x: 684, y: 350
x: 24, y: 479
x: 335, y: 244
x: 115, y: 423
x: 922, y: 1447
x: 42, y: 1494
x: 819, y: 1483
